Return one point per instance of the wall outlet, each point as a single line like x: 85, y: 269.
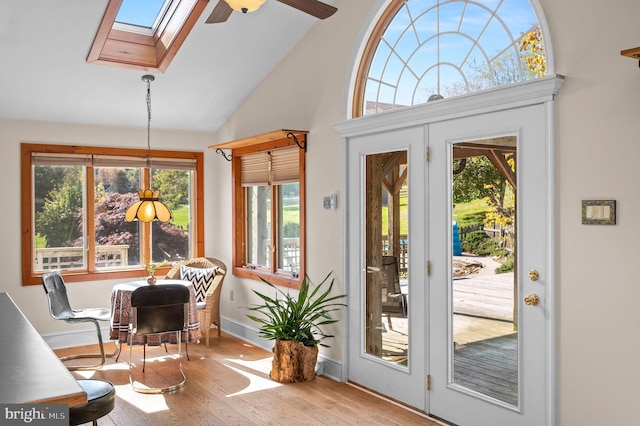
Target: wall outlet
x: 231, y: 295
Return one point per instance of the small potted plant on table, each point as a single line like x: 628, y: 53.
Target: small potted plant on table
x: 294, y: 324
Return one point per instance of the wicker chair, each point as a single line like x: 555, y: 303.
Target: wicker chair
x: 209, y: 311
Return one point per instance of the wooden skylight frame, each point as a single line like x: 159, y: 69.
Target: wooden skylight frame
x: 128, y: 49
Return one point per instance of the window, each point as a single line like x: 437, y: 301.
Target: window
x: 144, y: 35
x: 144, y: 15
x: 269, y: 202
x: 422, y: 49
x: 73, y: 204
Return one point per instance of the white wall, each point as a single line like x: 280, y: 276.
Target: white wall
x: 597, y: 150
x: 304, y: 92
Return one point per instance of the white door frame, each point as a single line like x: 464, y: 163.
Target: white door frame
x: 532, y: 92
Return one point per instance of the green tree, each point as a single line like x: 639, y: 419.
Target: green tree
x: 481, y: 179
x: 117, y: 180
x: 173, y: 186
x: 47, y: 178
x: 61, y: 215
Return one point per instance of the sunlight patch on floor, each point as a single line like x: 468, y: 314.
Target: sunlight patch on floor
x: 262, y: 365
x: 149, y: 403
x: 257, y: 383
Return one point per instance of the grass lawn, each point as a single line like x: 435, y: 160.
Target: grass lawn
x: 181, y: 216
x: 470, y: 213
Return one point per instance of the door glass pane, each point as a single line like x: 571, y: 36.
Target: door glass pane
x: 387, y: 282
x: 484, y: 315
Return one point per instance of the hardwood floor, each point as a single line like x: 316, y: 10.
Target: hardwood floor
x: 228, y: 384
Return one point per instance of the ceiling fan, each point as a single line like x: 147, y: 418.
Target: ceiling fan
x: 223, y: 9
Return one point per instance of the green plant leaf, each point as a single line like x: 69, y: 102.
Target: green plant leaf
x: 297, y: 319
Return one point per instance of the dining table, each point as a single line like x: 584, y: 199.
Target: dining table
x: 121, y: 316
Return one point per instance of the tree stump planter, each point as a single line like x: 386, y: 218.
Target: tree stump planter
x: 293, y: 362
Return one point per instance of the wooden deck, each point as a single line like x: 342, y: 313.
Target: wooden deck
x: 485, y: 342
x: 486, y: 357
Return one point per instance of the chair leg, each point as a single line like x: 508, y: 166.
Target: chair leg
x: 101, y: 355
x: 170, y: 388
x: 118, y: 350
x: 206, y: 336
x: 205, y: 326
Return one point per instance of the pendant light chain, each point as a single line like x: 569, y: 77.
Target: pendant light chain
x: 148, y: 79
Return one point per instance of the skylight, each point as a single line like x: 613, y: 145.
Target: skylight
x: 141, y: 13
x: 144, y: 35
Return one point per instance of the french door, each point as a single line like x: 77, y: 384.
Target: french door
x: 488, y: 329
x: 430, y: 324
x: 387, y: 332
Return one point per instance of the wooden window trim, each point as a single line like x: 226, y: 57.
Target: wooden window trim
x: 155, y: 52
x: 29, y: 277
x: 270, y: 141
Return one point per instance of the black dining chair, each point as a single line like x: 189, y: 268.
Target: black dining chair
x: 159, y: 309
x: 60, y: 309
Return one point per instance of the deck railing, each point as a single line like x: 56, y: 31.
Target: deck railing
x: 51, y: 258
x: 290, y: 253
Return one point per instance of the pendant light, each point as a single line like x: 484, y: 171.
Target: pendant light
x: 149, y: 208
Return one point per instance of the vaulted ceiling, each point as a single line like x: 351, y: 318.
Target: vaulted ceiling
x: 44, y: 74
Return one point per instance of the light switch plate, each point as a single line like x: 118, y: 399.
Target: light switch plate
x: 330, y: 202
x: 326, y: 202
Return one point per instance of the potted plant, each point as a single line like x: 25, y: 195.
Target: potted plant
x: 294, y: 324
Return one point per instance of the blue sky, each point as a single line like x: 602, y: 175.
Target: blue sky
x: 139, y: 12
x: 435, y: 46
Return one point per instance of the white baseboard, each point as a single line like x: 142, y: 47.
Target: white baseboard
x: 326, y: 366
x: 75, y: 338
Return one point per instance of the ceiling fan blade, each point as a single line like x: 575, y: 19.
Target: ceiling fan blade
x: 312, y: 7
x: 220, y: 13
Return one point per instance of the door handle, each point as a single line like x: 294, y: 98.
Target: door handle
x: 532, y: 300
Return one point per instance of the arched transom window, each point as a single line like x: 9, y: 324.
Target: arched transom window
x: 427, y: 49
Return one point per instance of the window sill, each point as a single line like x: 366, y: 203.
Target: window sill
x: 281, y: 280
x: 82, y: 276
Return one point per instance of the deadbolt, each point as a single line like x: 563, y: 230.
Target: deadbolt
x: 532, y: 300
x: 533, y: 275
